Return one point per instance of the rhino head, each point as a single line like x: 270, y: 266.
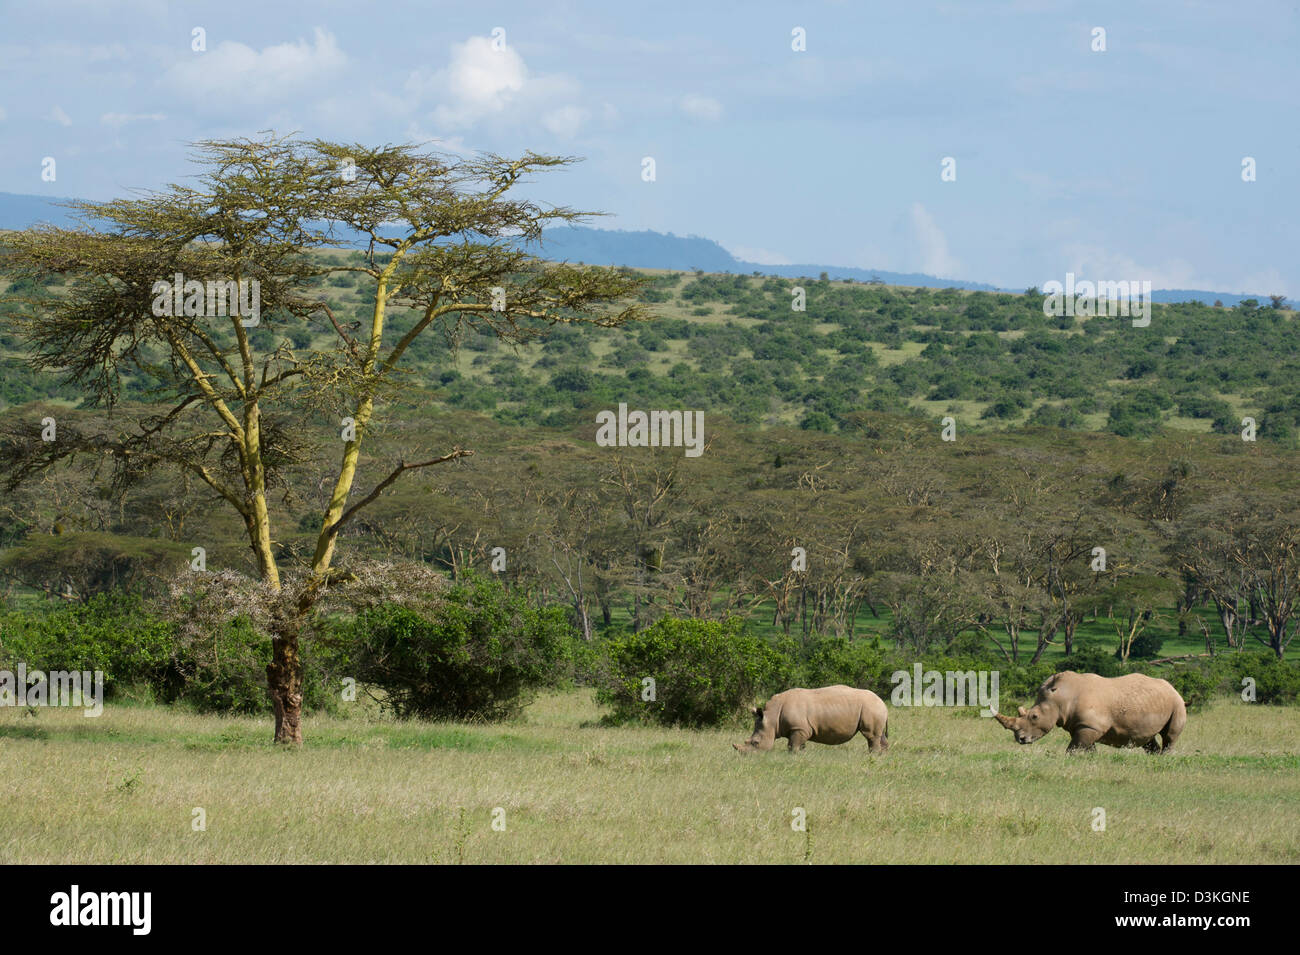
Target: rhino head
x: 764, y: 735
x: 1030, y: 724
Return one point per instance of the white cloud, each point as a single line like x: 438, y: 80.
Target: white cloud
x: 929, y: 244
x: 749, y: 253
x: 565, y: 121
x: 482, y: 83
x: 914, y: 242
x: 1098, y: 264
x: 701, y: 107
x: 57, y: 115
x: 121, y: 119
x: 451, y: 144
x: 234, y: 69
x: 479, y: 81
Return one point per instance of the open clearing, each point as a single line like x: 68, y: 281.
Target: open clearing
x: 953, y: 788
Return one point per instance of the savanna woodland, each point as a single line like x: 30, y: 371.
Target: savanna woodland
x: 385, y: 473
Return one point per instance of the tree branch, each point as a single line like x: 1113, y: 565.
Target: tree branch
x: 383, y: 485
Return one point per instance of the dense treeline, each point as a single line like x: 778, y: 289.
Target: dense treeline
x: 993, y: 542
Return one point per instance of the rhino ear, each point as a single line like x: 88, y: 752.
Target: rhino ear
x: 756, y: 710
x: 1022, y: 711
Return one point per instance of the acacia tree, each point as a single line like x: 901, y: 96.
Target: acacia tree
x: 445, y: 245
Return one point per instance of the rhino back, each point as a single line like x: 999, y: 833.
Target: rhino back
x: 1133, y: 705
x: 830, y: 713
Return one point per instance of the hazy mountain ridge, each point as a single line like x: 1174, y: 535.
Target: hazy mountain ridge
x: 647, y: 250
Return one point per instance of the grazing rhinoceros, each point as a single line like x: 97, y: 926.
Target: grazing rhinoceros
x: 832, y: 714
x: 1117, y: 711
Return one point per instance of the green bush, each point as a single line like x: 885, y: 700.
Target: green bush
x: 482, y: 657
x: 227, y: 672
x: 1193, y: 684
x: 1092, y: 660
x: 110, y: 632
x: 1276, y: 682
x: 705, y: 672
x: 115, y: 634
x: 862, y: 663
x: 1144, y: 647
x: 1015, y: 681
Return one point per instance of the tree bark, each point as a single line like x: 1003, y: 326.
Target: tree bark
x: 284, y: 678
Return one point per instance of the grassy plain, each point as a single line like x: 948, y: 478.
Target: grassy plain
x: 954, y: 788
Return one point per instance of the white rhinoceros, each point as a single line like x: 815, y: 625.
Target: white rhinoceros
x: 1125, y: 710
x: 831, y: 714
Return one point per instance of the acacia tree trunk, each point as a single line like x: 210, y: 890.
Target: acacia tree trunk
x: 284, y: 678
x: 1046, y: 634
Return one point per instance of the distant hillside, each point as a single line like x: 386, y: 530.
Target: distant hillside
x: 655, y: 250
x: 733, y: 345
x: 650, y: 250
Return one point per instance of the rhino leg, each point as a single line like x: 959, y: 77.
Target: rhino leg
x: 1173, y: 729
x: 1152, y: 746
x: 797, y: 739
x: 879, y: 743
x: 1083, y: 740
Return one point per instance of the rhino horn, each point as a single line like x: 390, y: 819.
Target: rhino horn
x: 1006, y: 721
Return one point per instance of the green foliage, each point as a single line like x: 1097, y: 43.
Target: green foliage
x: 110, y: 633
x: 1093, y: 660
x: 1018, y: 681
x: 865, y: 664
x: 227, y: 673
x: 1145, y: 646
x: 115, y: 633
x: 861, y: 663
x: 1065, y: 417
x: 817, y: 421
x: 1275, y: 682
x: 482, y: 657
x: 1204, y: 356
x: 706, y: 672
x: 1193, y: 684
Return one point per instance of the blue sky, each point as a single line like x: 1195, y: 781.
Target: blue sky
x: 1123, y: 164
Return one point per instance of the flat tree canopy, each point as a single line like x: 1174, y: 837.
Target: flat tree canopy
x: 173, y: 284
